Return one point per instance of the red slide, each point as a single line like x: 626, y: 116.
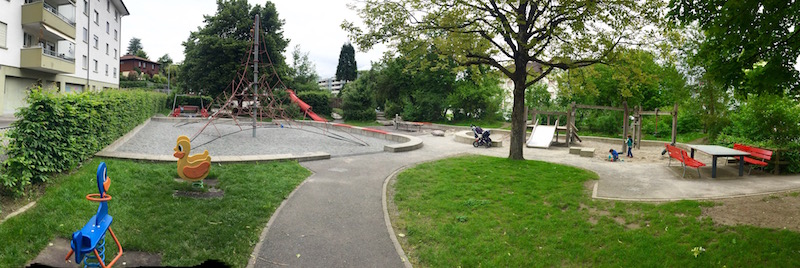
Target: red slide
x: 305, y: 107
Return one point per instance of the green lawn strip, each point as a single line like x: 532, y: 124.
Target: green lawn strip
x: 477, y: 211
x: 185, y: 231
x: 372, y: 123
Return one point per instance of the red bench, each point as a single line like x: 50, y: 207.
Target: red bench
x: 191, y: 110
x: 762, y: 154
x: 681, y: 155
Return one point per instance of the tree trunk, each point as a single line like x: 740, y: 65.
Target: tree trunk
x: 518, y: 118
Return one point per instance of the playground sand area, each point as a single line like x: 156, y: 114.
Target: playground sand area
x: 645, y: 153
x: 223, y: 138
x: 775, y: 211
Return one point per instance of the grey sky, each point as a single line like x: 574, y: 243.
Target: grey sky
x: 314, y: 25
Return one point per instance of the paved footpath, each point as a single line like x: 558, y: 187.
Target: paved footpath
x: 335, y: 218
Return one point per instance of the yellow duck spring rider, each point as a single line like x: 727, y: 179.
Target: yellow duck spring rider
x: 192, y: 168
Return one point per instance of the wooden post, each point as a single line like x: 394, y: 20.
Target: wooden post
x: 624, y: 126
x: 674, y: 123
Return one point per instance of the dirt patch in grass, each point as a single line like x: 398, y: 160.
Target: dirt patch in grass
x: 778, y: 211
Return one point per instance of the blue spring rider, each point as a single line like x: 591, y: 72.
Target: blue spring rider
x: 92, y: 238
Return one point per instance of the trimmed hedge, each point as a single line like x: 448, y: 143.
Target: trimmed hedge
x: 319, y: 101
x: 56, y: 132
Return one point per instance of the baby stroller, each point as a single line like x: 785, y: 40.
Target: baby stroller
x: 481, y: 137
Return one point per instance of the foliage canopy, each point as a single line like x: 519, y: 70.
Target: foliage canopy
x: 524, y: 40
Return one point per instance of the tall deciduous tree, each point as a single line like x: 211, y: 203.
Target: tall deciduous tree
x: 347, y: 70
x: 525, y: 40
x: 134, y: 46
x: 215, y: 52
x: 304, y: 74
x: 750, y: 45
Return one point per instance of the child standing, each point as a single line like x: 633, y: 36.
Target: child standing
x: 629, y: 141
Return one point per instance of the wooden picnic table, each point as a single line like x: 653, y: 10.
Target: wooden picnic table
x: 719, y: 151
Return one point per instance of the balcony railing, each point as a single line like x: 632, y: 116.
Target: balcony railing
x: 53, y: 53
x: 53, y: 10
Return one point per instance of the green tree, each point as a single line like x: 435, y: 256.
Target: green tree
x: 304, y: 74
x: 416, y: 84
x: 358, y: 102
x: 165, y: 62
x: 216, y: 51
x: 134, y: 46
x: 631, y: 75
x: 537, y: 96
x: 477, y: 95
x: 750, y: 45
x: 347, y: 70
x: 141, y: 54
x: 537, y: 36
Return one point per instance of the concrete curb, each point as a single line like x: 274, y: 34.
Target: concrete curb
x: 407, y: 143
x: 659, y: 200
x: 467, y: 137
x: 387, y: 219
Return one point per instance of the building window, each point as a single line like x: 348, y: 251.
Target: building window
x: 106, y: 69
x: 96, y: 42
x: 108, y: 27
x: 106, y: 48
x: 116, y: 15
x: 85, y: 35
x: 115, y: 53
x: 95, y: 66
x: 96, y: 17
x: 115, y: 34
x: 108, y: 6
x: 3, y: 33
x: 86, y: 7
x: 115, y: 72
x: 85, y: 62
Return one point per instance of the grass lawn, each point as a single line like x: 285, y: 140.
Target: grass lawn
x: 185, y: 231
x: 372, y: 123
x: 477, y: 211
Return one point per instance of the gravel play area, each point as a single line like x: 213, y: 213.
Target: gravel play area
x: 159, y: 138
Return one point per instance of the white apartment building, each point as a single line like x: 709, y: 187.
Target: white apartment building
x: 331, y: 84
x: 66, y: 45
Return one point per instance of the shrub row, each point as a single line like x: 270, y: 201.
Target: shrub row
x: 319, y: 101
x: 56, y: 132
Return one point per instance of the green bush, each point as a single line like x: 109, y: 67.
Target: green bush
x: 319, y: 101
x: 55, y: 132
x: 771, y: 122
x: 605, y: 122
x: 358, y: 103
x: 772, y: 119
x: 133, y: 84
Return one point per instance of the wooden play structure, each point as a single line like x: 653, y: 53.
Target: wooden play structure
x: 564, y: 122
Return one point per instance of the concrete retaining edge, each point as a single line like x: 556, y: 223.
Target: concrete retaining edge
x: 406, y: 143
x: 468, y: 138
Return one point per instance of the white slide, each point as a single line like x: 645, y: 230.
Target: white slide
x: 542, y: 136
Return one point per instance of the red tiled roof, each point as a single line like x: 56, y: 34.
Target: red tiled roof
x: 132, y: 57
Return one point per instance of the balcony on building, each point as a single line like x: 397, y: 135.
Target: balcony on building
x: 45, y: 58
x: 54, y: 16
